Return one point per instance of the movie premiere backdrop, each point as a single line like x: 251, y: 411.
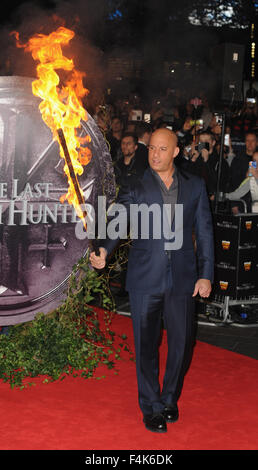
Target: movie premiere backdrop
x: 38, y: 245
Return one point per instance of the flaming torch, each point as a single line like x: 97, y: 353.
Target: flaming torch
x: 72, y: 176
x: 61, y: 106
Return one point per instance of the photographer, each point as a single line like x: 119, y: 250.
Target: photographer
x: 202, y: 159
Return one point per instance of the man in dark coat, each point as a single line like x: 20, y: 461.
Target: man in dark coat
x: 164, y: 276
x: 129, y: 163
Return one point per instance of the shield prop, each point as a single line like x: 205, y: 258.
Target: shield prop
x: 38, y: 243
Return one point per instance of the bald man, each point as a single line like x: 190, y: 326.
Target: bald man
x: 164, y: 276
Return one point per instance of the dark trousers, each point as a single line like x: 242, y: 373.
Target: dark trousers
x: 147, y: 313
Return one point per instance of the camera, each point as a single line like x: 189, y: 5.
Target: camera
x: 219, y: 118
x: 226, y: 140
x: 147, y: 118
x: 198, y: 122
x: 202, y: 145
x: 136, y: 115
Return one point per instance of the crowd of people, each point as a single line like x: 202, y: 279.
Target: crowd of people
x: 232, y: 171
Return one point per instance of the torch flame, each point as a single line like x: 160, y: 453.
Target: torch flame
x: 61, y: 106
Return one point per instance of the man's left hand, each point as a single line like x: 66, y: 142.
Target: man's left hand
x: 202, y: 287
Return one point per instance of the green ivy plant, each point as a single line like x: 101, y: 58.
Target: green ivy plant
x: 70, y: 340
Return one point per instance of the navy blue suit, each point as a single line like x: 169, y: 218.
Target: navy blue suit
x: 161, y: 283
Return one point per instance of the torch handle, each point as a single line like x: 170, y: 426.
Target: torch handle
x: 75, y: 181
x: 97, y: 251
x: 95, y: 247
x: 70, y: 167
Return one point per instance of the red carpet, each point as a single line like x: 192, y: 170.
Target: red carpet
x: 218, y: 408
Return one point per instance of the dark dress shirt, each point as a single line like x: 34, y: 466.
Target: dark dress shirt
x: 169, y: 196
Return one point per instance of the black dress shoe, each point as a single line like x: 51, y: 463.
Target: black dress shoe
x: 155, y: 423
x: 171, y: 414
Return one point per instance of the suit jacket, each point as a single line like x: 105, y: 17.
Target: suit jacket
x: 147, y: 262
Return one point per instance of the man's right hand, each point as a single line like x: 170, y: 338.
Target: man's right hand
x: 98, y: 262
